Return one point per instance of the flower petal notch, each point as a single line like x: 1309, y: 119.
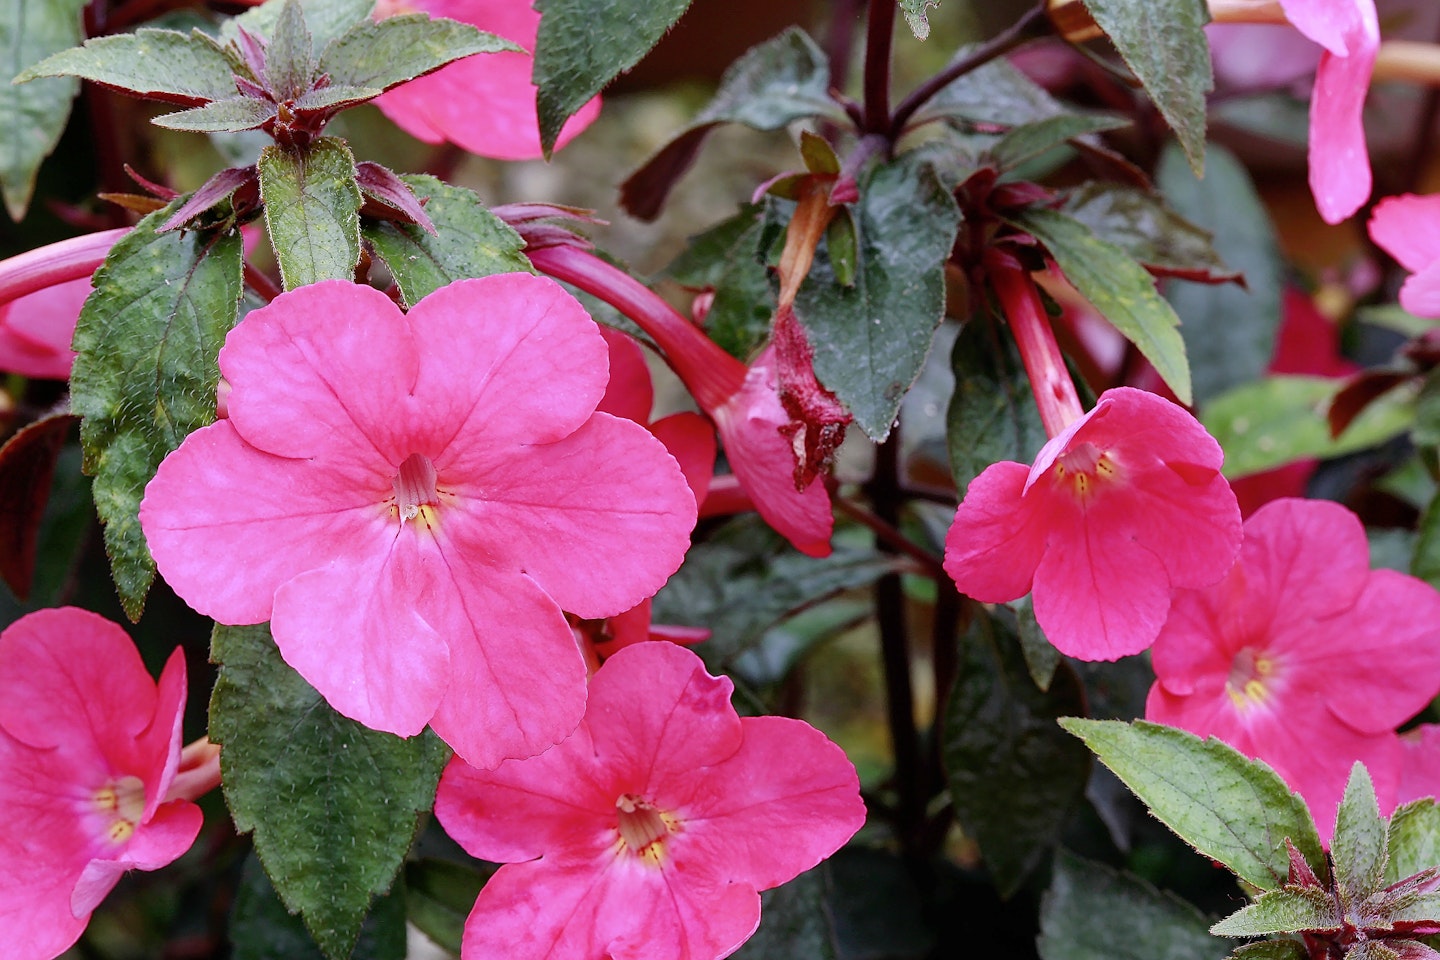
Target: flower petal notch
x: 1123, y: 506
x: 1302, y: 656
x: 442, y: 106
x: 654, y: 826
x: 412, y: 499
x: 89, y: 749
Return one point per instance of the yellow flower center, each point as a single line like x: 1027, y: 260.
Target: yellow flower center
x: 1249, y: 673
x: 120, y: 805
x: 1084, y: 468
x: 644, y: 829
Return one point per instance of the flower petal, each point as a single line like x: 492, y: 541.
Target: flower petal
x: 1330, y: 23
x: 995, y: 543
x: 1420, y: 293
x: 1408, y: 228
x: 1340, y: 175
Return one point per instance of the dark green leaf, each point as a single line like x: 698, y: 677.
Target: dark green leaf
x: 1229, y: 330
x: 1041, y: 657
x: 1358, y: 848
x: 1270, y: 950
x: 996, y: 93
x: 1231, y: 809
x: 439, y: 895
x: 782, y: 80
x: 156, y: 64
x: 1163, y: 43
x: 794, y: 922
x: 1145, y: 227
x: 1281, y: 419
x: 1029, y: 140
x: 1288, y: 910
x: 327, y: 20
x: 1092, y: 912
x: 726, y: 259
x: 992, y: 415
x: 916, y: 16
x: 1015, y: 777
x: 145, y: 376
x: 582, y: 46
x: 32, y: 116
x: 383, y: 53
x: 871, y: 338
x: 333, y: 805
x: 469, y: 241
x: 262, y: 929
x: 1414, y: 841
x: 878, y: 908
x: 312, y: 210
x: 221, y: 116
x: 1119, y: 288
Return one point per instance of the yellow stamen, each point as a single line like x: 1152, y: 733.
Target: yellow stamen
x: 644, y: 829
x: 120, y: 804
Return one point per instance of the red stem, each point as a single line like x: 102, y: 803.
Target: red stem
x: 55, y: 263
x: 879, y: 37
x: 711, y: 374
x: 1050, y: 381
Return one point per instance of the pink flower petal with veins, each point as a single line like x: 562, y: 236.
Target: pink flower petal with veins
x: 654, y: 826
x: 485, y: 103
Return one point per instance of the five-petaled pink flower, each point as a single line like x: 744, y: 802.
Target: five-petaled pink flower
x: 1408, y: 228
x: 1302, y: 656
x: 1123, y: 506
x: 648, y: 833
x: 486, y: 103
x: 413, y: 499
x: 36, y: 329
x: 89, y: 748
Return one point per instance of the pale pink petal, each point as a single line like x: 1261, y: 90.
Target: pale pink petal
x: 629, y: 394
x: 228, y: 524
x: 516, y: 677
x: 995, y: 544
x: 1420, y: 293
x: 352, y: 628
x: 763, y: 460
x: 484, y: 103
x: 1339, y: 162
x: 534, y: 364
x: 1408, y: 228
x: 787, y: 799
x: 1330, y: 23
x: 691, y: 441
x: 547, y: 508
x: 36, y: 330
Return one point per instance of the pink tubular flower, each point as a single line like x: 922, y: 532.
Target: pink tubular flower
x: 486, y: 103
x: 89, y: 748
x: 1408, y: 228
x: 1302, y: 655
x: 648, y: 833
x: 412, y: 499
x: 1124, y: 505
x: 35, y: 330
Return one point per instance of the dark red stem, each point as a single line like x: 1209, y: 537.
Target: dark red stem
x: 879, y: 36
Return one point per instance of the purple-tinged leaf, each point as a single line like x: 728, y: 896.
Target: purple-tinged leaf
x: 383, y: 186
x: 250, y: 89
x: 212, y: 191
x: 335, y: 98
x: 150, y: 186
x: 221, y: 116
x: 1143, y: 225
x: 150, y: 64
x: 1288, y: 910
x: 252, y: 49
x: 27, y: 465
x: 289, y: 64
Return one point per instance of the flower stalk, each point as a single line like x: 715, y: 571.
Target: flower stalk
x: 1050, y: 381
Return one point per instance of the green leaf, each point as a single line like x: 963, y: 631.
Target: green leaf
x: 997, y: 92
x: 32, y: 117
x: 583, y: 45
x: 1358, y: 848
x: 776, y: 83
x: 220, y: 116
x: 916, y: 16
x: 1093, y: 912
x: 1041, y: 657
x: 333, y: 805
x: 289, y: 62
x: 145, y: 375
x: 1029, y: 140
x: 262, y: 929
x: 384, y: 53
x: 1163, y: 42
x: 871, y: 338
x: 1415, y: 908
x: 469, y: 241
x: 1144, y: 226
x: 1229, y: 330
x: 794, y: 922
x: 992, y: 414
x: 1287, y: 910
x: 155, y: 64
x: 1015, y: 777
x: 327, y: 20
x: 439, y: 895
x: 726, y: 259
x: 1119, y: 288
x: 1231, y: 809
x: 1270, y: 950
x: 312, y: 205
x: 1281, y: 419
x: 1414, y: 841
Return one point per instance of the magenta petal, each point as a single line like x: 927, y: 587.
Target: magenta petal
x: 994, y: 545
x: 629, y: 394
x: 1304, y: 555
x: 159, y: 842
x: 1339, y: 161
x: 1408, y: 228
x: 1420, y: 772
x: 1330, y: 23
x: 691, y: 441
x: 351, y: 628
x: 1420, y: 294
x: 36, y: 329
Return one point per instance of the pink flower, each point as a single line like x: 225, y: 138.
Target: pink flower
x: 1123, y: 506
x: 1408, y: 228
x: 649, y: 832
x: 1302, y: 655
x: 89, y: 748
x: 412, y: 499
x: 485, y: 103
x: 36, y: 329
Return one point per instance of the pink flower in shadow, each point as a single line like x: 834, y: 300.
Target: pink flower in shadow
x: 1408, y: 228
x: 412, y: 499
x: 1302, y: 656
x: 485, y: 103
x: 89, y: 748
x: 649, y: 832
x: 1122, y: 507
x: 36, y: 330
